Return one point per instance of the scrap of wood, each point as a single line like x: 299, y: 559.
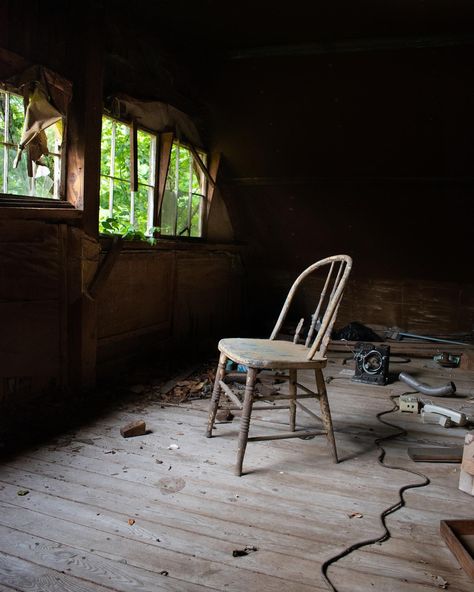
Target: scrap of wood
x: 467, y: 360
x: 134, y: 428
x: 466, y: 482
x: 453, y: 532
x: 446, y: 454
x: 468, y: 454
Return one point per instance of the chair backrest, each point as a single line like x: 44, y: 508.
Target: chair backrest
x: 317, y: 339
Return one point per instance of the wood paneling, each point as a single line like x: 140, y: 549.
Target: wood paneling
x: 181, y: 300
x: 138, y: 294
x: 32, y: 289
x: 423, y: 307
x: 207, y: 297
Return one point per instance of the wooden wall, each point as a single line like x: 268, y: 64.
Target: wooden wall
x: 33, y: 293
x: 363, y: 152
x: 168, y: 304
x: 159, y: 303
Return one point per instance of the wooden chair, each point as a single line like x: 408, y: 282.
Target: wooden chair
x: 273, y: 354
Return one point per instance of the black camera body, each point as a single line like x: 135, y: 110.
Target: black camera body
x: 371, y: 363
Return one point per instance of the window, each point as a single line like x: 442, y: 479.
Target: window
x: 127, y: 184
x: 40, y: 178
x: 184, y: 198
x: 129, y: 193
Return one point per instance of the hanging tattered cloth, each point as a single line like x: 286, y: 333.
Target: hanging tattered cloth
x: 47, y: 96
x: 40, y: 115
x: 155, y: 116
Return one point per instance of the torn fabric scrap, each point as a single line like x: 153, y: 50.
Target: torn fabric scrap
x: 40, y: 115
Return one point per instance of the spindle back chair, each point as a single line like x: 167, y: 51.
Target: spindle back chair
x: 274, y: 354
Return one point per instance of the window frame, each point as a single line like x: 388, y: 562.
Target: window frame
x: 204, y: 196
x: 34, y: 201
x: 133, y: 182
x: 163, y: 147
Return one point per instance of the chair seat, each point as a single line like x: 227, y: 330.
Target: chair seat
x: 269, y: 353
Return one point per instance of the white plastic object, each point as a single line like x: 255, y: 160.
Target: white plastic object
x: 455, y: 416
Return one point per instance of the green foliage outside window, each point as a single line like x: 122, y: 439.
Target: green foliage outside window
x: 130, y: 214
x: 184, y: 194
x: 45, y: 182
x: 122, y: 211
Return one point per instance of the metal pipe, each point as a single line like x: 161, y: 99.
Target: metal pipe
x: 435, y: 391
x: 437, y: 339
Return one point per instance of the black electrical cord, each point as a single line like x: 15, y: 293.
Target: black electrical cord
x: 391, y: 509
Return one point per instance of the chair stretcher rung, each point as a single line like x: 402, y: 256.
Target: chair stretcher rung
x: 284, y: 435
x: 228, y: 392
x: 306, y: 390
x: 282, y: 397
x: 261, y: 407
x: 308, y: 411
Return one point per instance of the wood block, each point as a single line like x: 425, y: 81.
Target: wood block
x: 431, y: 454
x: 135, y: 428
x: 468, y: 454
x: 466, y: 482
x: 457, y: 534
x: 467, y: 360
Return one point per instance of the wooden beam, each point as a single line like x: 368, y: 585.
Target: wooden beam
x: 133, y: 157
x: 353, y: 46
x: 105, y: 268
x: 85, y: 125
x: 166, y: 144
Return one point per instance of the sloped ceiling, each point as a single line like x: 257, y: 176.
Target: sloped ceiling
x: 228, y: 26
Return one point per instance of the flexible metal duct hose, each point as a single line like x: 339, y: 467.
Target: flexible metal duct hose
x: 435, y: 391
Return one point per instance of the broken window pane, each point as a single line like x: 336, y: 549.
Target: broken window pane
x: 17, y: 180
x: 185, y: 189
x: 45, y: 172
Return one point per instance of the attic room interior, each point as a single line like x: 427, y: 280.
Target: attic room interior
x: 170, y: 173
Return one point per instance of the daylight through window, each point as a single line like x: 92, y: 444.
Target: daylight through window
x: 124, y: 210
x: 35, y: 179
x: 183, y: 202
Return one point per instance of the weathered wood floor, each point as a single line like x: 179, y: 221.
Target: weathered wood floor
x: 74, y: 530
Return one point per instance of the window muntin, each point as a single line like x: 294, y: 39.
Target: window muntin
x: 185, y: 191
x: 121, y: 208
x: 45, y: 179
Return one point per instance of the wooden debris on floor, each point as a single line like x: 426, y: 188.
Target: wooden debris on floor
x: 194, y: 384
x: 134, y: 428
x: 466, y: 478
x: 190, y: 513
x: 445, y: 454
x: 459, y: 536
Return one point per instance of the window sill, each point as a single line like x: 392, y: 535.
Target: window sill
x: 27, y: 208
x: 171, y: 244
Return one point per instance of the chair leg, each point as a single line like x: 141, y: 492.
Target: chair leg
x: 245, y: 419
x: 325, y: 411
x: 292, y: 401
x: 216, y: 394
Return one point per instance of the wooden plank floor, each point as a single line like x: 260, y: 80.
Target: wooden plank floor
x: 107, y: 513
